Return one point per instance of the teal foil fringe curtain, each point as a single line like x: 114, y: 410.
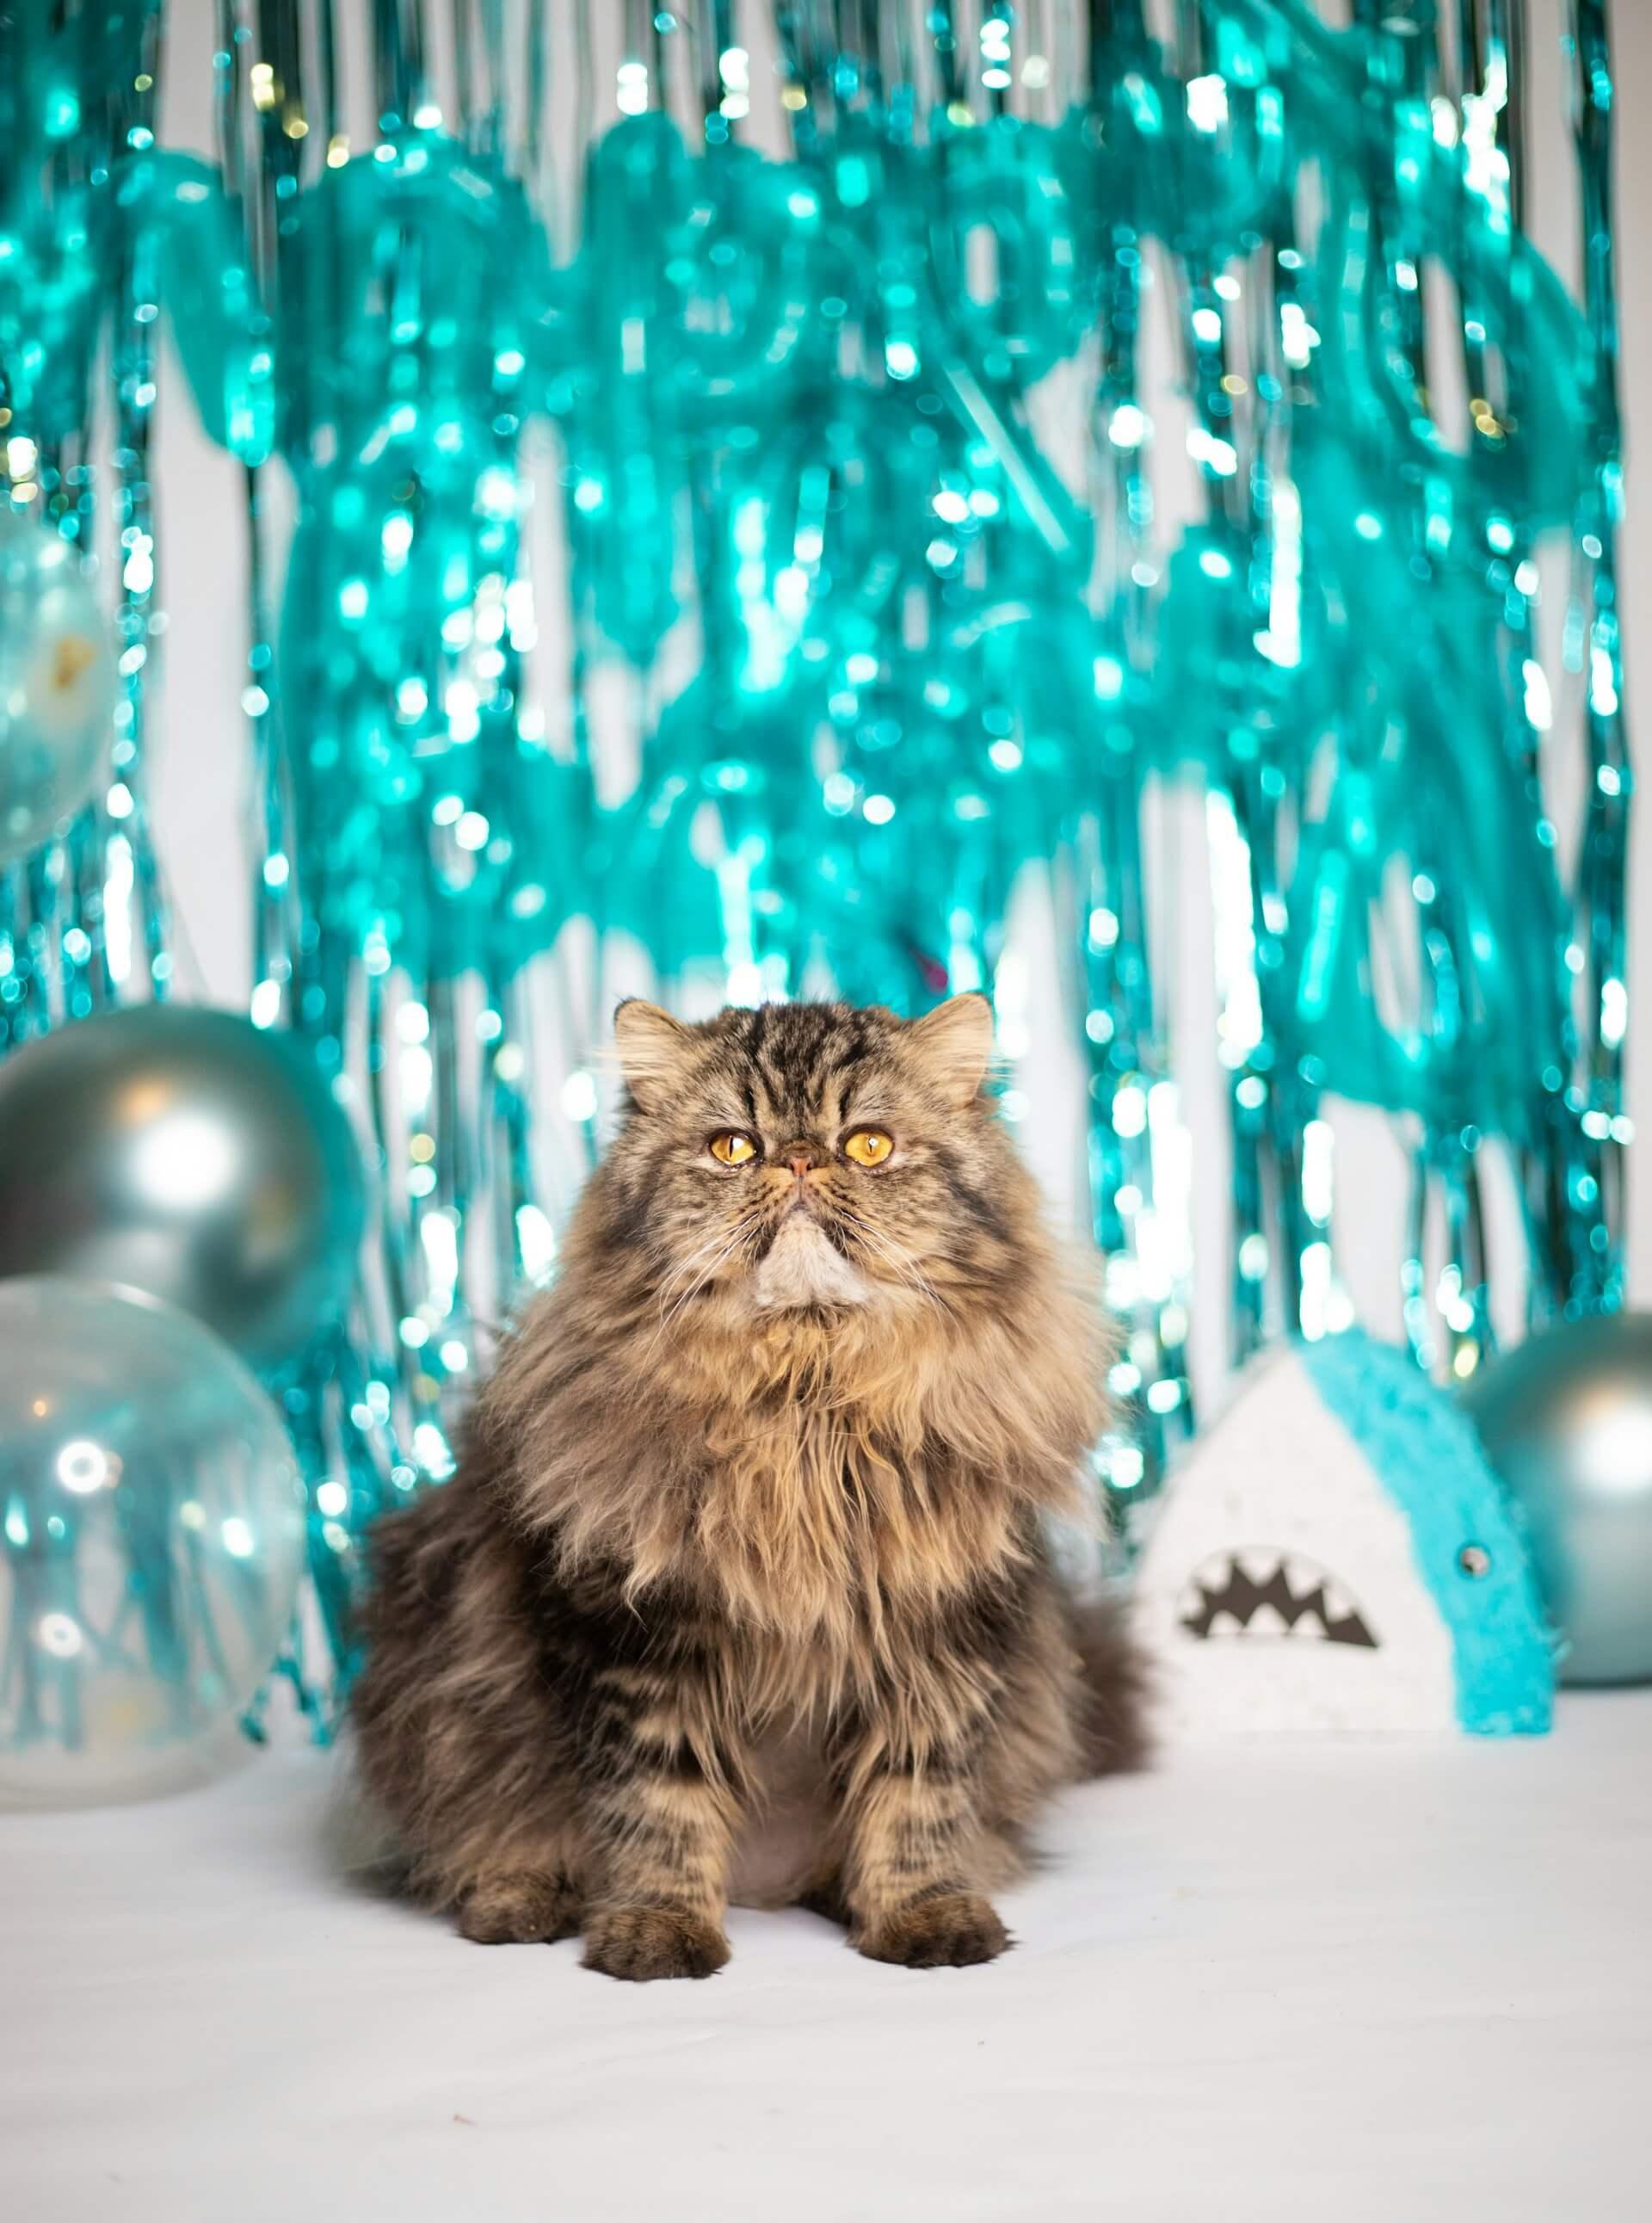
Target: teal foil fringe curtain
x: 850, y: 348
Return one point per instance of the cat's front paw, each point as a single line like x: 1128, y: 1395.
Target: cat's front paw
x: 956, y: 1931
x: 518, y: 1906
x: 641, y: 1942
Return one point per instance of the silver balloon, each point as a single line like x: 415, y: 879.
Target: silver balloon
x: 152, y: 1533
x: 185, y: 1152
x: 1566, y: 1419
x: 56, y: 684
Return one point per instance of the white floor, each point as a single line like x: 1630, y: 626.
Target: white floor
x: 1395, y: 1985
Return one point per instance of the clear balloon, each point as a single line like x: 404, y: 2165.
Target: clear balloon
x: 56, y: 684
x: 1568, y: 1421
x: 187, y: 1153
x: 152, y: 1531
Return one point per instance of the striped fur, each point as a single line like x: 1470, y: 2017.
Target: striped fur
x: 740, y: 1588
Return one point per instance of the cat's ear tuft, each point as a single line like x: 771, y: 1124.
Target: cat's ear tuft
x: 652, y: 1048
x: 955, y: 1042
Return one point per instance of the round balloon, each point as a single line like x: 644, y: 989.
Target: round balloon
x: 56, y: 684
x: 152, y: 1531
x: 186, y: 1152
x: 1567, y: 1420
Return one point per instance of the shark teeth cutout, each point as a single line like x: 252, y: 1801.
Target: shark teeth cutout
x: 1260, y: 1591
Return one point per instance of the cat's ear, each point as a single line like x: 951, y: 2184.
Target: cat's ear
x: 955, y: 1042
x: 652, y: 1048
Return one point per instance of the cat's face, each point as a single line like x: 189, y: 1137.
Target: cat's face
x: 813, y: 1155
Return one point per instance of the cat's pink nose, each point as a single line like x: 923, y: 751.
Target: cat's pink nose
x: 801, y: 1161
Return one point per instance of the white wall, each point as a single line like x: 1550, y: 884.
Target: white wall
x: 200, y: 762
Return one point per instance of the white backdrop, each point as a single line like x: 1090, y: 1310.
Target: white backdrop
x: 200, y: 758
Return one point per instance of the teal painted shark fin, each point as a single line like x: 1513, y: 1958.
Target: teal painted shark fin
x: 1470, y: 1549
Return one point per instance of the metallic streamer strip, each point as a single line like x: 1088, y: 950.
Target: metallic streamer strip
x: 1144, y: 1231
x: 139, y: 622
x: 1596, y: 1176
x: 1445, y: 1177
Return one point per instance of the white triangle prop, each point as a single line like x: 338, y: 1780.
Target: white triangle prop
x: 1283, y: 1588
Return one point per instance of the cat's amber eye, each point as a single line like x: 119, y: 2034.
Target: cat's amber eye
x: 733, y: 1148
x: 868, y: 1146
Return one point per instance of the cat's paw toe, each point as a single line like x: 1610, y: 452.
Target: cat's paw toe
x: 638, y: 1943
x: 518, y: 1908
x: 956, y: 1931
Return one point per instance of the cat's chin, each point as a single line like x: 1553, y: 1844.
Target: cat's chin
x: 802, y: 1269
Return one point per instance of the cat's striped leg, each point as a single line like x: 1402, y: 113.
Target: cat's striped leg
x: 513, y: 1881
x: 912, y: 1839
x: 661, y: 1805
x: 520, y: 1905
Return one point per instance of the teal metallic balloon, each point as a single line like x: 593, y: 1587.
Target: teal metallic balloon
x: 89, y: 206
x: 60, y: 82
x: 185, y: 1153
x: 57, y: 685
x: 1430, y: 811
x: 1567, y: 1420
x: 722, y: 852
x: 427, y: 824
x: 1005, y: 180
x: 174, y: 205
x: 152, y: 1530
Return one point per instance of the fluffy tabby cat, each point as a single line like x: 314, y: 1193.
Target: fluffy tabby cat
x: 739, y: 1591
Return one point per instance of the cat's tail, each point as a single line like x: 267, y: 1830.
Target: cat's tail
x: 360, y: 1842
x: 1113, y: 1683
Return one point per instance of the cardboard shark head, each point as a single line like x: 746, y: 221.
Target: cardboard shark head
x: 1335, y: 1556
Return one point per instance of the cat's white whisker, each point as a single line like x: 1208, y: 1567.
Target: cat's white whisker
x: 902, y: 1261
x: 711, y: 1255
